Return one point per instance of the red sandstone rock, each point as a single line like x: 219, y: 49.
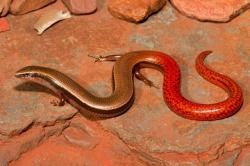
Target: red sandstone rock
x: 213, y: 10
x: 4, y: 7
x: 4, y: 26
x: 81, y: 6
x: 134, y: 11
x: 82, y: 143
x: 34, y: 132
x: 25, y: 6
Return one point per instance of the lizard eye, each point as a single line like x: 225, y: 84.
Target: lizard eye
x: 23, y: 75
x: 26, y: 75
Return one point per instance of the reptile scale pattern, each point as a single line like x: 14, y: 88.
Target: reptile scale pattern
x: 123, y: 95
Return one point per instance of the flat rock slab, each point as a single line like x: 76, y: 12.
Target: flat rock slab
x: 34, y: 132
x: 4, y: 26
x: 73, y: 145
x: 81, y: 6
x: 213, y: 10
x: 134, y: 11
x: 25, y: 6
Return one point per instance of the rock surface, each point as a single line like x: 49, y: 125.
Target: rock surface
x: 134, y: 11
x: 213, y: 10
x: 4, y: 7
x: 81, y: 6
x: 4, y: 26
x: 34, y: 132
x: 25, y: 6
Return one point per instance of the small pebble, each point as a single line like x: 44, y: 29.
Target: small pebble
x: 81, y: 6
x: 134, y: 10
x: 4, y: 26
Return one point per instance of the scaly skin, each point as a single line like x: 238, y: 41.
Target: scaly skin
x: 197, y: 111
x: 123, y: 94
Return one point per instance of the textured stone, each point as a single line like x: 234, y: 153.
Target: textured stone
x: 61, y: 150
x: 243, y: 158
x: 25, y: 6
x: 34, y: 132
x: 81, y: 6
x: 134, y: 11
x: 27, y: 141
x: 213, y: 10
x: 4, y: 7
x: 4, y: 26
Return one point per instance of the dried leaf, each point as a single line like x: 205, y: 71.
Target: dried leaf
x: 49, y: 19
